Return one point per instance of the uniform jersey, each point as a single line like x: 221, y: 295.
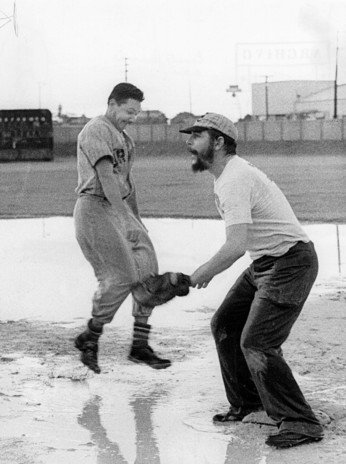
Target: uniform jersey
x: 244, y: 194
x: 98, y: 139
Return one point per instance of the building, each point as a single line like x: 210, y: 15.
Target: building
x: 151, y: 117
x: 280, y: 99
x: 69, y: 119
x: 184, y: 118
x: 321, y: 104
x: 76, y: 120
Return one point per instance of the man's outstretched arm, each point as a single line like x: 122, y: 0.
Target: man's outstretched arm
x: 233, y: 249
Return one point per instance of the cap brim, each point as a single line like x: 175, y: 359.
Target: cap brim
x: 188, y: 130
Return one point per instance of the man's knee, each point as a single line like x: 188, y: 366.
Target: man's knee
x: 108, y: 298
x: 259, y: 356
x: 226, y: 322
x: 248, y: 342
x: 255, y: 357
x: 250, y: 345
x: 220, y: 329
x: 141, y: 311
x: 215, y: 325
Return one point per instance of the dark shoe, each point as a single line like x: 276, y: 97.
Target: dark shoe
x: 80, y: 340
x: 146, y: 355
x: 233, y: 414
x: 89, y: 351
x: 287, y: 439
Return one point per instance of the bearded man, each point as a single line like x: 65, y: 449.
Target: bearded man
x: 261, y: 307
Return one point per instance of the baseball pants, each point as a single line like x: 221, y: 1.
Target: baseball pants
x: 118, y: 259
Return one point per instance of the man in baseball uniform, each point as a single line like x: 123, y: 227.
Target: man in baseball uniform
x: 108, y: 226
x: 260, y: 309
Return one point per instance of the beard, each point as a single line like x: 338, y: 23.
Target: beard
x: 199, y: 165
x: 203, y: 161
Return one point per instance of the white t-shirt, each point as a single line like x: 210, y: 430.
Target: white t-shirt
x: 99, y: 138
x: 244, y: 194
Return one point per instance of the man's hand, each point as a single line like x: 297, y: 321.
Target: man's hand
x: 200, y: 278
x: 229, y: 253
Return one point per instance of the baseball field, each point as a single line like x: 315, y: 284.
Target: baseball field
x: 55, y: 411
x: 314, y: 184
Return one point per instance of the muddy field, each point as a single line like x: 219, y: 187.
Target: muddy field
x: 53, y: 411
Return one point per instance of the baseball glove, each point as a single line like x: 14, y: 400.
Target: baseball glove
x: 161, y: 288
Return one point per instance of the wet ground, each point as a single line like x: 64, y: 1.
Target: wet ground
x: 53, y: 410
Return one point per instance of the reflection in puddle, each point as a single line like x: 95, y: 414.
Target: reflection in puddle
x: 147, y: 450
x: 160, y: 435
x: 108, y: 451
x: 244, y: 454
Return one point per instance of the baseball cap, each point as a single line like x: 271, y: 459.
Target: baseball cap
x: 213, y: 121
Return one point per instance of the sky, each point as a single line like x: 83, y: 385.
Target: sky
x: 183, y: 54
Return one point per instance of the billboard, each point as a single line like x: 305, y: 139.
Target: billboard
x: 282, y: 54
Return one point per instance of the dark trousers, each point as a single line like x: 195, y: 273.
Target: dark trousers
x: 249, y: 328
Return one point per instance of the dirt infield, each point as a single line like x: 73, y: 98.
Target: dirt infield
x: 54, y: 411
x: 314, y: 185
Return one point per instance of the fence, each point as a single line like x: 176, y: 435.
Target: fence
x: 252, y: 131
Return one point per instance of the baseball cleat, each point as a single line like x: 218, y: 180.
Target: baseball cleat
x: 88, y: 353
x: 146, y: 355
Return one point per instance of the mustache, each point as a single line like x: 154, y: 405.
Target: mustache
x: 191, y: 150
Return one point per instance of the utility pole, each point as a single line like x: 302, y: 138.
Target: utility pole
x: 336, y: 79
x: 126, y: 69
x: 267, y: 106
x: 266, y: 97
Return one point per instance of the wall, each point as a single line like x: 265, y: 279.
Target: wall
x: 253, y: 131
x: 282, y: 95
x: 66, y: 134
x: 324, y: 102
